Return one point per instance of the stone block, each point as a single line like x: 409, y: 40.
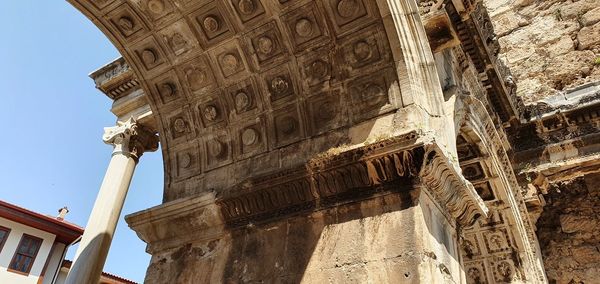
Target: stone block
x: 589, y: 37
x: 591, y: 17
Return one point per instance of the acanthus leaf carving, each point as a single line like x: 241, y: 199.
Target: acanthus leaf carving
x: 130, y: 139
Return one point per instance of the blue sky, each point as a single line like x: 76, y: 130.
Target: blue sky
x: 52, y: 119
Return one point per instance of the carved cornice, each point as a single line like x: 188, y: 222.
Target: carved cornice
x: 130, y: 139
x: 384, y: 167
x: 476, y: 32
x: 450, y: 189
x: 115, y: 79
x: 325, y: 181
x: 569, y: 121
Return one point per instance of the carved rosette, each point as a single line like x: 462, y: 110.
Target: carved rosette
x: 130, y: 139
x: 450, y: 189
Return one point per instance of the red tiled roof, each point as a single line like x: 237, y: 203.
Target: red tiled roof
x: 65, y: 232
x: 67, y: 264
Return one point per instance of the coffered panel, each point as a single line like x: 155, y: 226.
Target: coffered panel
x: 179, y: 40
x: 349, y: 15
x: 126, y: 24
x: 212, y: 23
x: 159, y: 12
x: 267, y: 46
x: 306, y: 27
x: 248, y: 12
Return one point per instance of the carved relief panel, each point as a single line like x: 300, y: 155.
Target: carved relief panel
x: 287, y: 126
x: 230, y: 59
x: 180, y: 126
x: 247, y: 11
x: 157, y: 11
x: 363, y: 52
x: 244, y: 99
x: 150, y: 55
x: 317, y: 70
x: 280, y: 84
x: 218, y: 149
x: 349, y: 15
x: 370, y: 95
x: 267, y: 46
x: 100, y: 4
x: 211, y: 111
x: 179, y: 40
x: 326, y: 111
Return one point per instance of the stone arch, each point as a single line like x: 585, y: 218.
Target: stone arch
x: 238, y: 87
x: 243, y: 78
x: 503, y: 247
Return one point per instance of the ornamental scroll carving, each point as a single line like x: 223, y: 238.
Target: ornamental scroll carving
x: 451, y: 190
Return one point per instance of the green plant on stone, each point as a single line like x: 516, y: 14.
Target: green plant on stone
x: 597, y: 61
x: 558, y: 15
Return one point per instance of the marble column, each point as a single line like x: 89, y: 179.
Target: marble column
x: 130, y: 141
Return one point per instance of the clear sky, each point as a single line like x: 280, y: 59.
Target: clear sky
x: 52, y: 119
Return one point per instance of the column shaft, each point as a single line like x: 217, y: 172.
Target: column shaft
x: 93, y: 248
x: 130, y: 141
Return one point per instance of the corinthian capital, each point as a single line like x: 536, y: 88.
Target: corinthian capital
x: 130, y: 139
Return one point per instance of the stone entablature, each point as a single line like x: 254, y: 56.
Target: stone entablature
x: 384, y: 167
x: 565, y: 123
x: 115, y: 79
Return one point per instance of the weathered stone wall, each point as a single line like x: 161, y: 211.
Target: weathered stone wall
x: 550, y: 45
x: 568, y: 231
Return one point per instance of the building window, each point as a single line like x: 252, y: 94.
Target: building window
x: 25, y: 254
x: 3, y: 236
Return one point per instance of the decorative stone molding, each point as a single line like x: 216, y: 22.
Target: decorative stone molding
x: 511, y: 192
x: 474, y: 27
x: 329, y: 180
x: 384, y: 167
x: 115, y: 79
x: 130, y: 139
x: 450, y: 189
x: 420, y: 84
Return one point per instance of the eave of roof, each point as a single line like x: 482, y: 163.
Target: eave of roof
x: 65, y: 232
x: 67, y: 264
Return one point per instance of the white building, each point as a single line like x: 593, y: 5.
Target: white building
x: 33, y: 247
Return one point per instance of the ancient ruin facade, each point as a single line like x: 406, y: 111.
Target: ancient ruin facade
x: 340, y: 141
